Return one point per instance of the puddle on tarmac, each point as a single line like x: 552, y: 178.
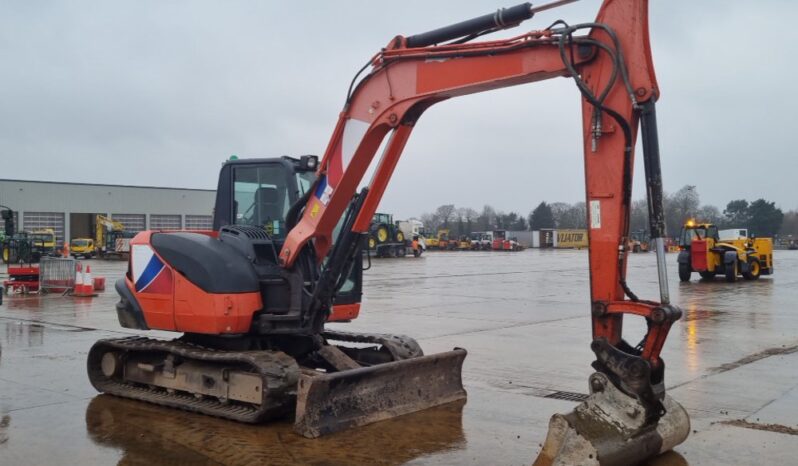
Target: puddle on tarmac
x: 22, y: 334
x: 147, y: 434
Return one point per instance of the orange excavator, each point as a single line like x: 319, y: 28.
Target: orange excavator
x: 251, y: 298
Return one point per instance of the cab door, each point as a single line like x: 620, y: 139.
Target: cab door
x: 346, y: 303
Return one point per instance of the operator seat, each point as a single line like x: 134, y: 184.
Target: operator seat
x: 267, y: 205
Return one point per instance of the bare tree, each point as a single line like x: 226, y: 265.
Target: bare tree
x: 709, y: 214
x: 789, y: 227
x: 639, y: 220
x: 486, y: 220
x: 680, y: 206
x: 431, y: 222
x: 574, y: 217
x: 445, y: 214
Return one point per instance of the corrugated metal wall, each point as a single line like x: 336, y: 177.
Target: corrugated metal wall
x: 524, y: 238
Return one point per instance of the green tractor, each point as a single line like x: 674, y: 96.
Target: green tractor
x: 18, y: 247
x: 385, y: 237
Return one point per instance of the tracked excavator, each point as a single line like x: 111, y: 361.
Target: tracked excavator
x: 251, y: 298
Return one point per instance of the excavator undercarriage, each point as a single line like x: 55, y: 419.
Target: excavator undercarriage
x: 329, y: 388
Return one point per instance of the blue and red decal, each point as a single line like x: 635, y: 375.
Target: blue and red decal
x: 150, y: 274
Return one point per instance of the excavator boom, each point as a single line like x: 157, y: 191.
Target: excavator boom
x: 612, y: 67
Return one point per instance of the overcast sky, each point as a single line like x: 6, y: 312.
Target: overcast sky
x: 161, y: 92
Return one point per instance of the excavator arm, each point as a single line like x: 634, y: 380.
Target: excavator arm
x: 610, y: 62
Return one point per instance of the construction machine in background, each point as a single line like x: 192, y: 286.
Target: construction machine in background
x: 731, y: 252
x: 445, y: 241
x: 112, y: 241
x: 499, y: 236
x: 252, y: 303
x: 464, y: 243
x: 414, y: 232
x: 386, y: 239
x: 639, y: 241
x: 45, y: 241
x: 22, y: 247
x: 82, y: 247
x: 482, y: 240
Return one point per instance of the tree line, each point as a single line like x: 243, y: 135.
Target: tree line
x: 760, y: 216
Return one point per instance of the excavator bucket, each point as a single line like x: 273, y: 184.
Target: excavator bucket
x: 335, y: 401
x: 609, y: 428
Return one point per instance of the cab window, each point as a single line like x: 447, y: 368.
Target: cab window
x: 261, y: 197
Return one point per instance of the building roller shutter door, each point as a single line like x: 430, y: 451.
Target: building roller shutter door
x: 165, y: 222
x: 199, y: 222
x: 132, y: 222
x: 40, y: 220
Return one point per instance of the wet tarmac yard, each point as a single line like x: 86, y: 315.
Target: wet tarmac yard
x: 732, y: 362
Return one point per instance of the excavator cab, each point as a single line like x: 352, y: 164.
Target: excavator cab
x: 260, y: 192
x: 270, y: 193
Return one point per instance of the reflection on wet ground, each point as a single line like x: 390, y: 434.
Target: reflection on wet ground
x: 148, y: 434
x: 4, y: 422
x: 524, y: 319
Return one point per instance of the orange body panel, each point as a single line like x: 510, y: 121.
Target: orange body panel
x: 184, y: 307
x: 698, y: 255
x: 158, y: 309
x: 214, y: 313
x: 344, y: 312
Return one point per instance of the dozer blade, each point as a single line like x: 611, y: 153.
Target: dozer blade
x: 609, y: 429
x: 331, y: 402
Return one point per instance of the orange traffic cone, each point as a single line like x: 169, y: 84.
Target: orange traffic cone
x: 88, y: 282
x: 78, y: 279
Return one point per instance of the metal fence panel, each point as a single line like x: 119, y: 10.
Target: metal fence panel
x: 56, y: 274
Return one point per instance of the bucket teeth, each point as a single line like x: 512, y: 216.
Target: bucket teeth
x: 609, y: 428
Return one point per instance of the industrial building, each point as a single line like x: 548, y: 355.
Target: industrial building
x: 71, y: 208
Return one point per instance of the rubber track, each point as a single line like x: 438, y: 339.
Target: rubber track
x: 279, y: 374
x: 400, y: 346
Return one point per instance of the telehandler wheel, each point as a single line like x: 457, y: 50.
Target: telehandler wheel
x: 754, y: 269
x: 372, y: 242
x: 684, y: 272
x: 6, y: 255
x: 731, y: 271
x: 400, y: 237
